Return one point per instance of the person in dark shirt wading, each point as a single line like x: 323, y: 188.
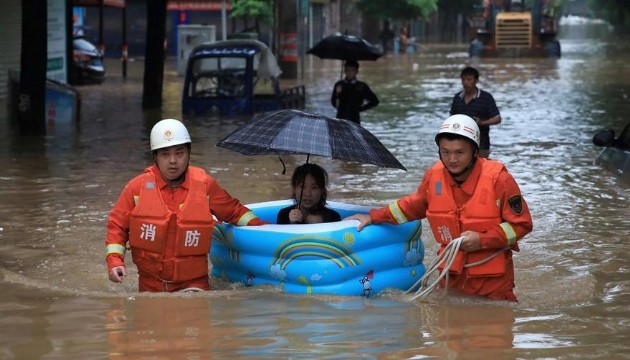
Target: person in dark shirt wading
x: 351, y: 96
x: 477, y: 104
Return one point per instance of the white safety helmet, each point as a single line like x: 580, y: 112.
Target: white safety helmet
x: 461, y: 125
x: 168, y: 132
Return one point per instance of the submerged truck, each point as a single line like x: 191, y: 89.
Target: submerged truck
x: 235, y: 77
x: 518, y: 28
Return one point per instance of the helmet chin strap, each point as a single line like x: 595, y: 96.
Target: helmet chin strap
x: 468, y: 167
x: 180, y: 179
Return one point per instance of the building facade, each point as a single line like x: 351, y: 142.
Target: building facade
x: 10, y: 41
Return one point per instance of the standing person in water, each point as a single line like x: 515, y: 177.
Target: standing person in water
x: 309, y: 193
x: 351, y: 96
x: 165, y: 217
x: 465, y: 195
x: 479, y: 105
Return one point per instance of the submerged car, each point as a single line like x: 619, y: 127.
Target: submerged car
x: 87, y: 62
x: 616, y: 153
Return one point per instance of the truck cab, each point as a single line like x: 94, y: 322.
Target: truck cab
x: 513, y: 28
x: 235, y: 77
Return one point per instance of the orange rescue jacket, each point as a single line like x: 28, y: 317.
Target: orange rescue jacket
x: 480, y: 213
x: 153, y: 227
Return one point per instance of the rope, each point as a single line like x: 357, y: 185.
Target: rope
x: 447, y: 257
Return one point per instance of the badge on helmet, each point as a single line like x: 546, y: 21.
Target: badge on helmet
x: 461, y: 125
x: 168, y: 132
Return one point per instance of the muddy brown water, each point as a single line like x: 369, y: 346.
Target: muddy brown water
x: 572, y: 274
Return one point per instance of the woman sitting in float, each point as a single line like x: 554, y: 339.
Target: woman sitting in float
x: 312, y: 251
x: 308, y: 185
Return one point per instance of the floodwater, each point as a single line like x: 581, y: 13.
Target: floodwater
x: 572, y: 275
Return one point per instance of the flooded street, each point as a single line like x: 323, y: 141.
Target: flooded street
x: 572, y: 274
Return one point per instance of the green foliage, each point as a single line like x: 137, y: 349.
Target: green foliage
x: 397, y: 9
x: 253, y: 9
x: 616, y: 12
x: 465, y: 7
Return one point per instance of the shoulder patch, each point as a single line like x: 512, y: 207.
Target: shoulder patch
x: 516, y: 204
x: 438, y: 188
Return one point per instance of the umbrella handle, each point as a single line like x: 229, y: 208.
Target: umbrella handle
x: 308, y: 156
x: 284, y: 168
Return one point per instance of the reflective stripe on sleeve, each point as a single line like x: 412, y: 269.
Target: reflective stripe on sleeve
x: 246, y: 218
x: 510, y: 234
x: 115, y: 249
x: 397, y: 213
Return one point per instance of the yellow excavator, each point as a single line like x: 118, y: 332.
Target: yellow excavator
x: 517, y: 28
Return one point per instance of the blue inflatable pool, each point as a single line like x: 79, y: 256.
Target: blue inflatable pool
x: 330, y: 258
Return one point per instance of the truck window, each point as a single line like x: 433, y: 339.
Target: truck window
x: 218, y: 77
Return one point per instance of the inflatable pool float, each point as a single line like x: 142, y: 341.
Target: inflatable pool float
x: 328, y: 258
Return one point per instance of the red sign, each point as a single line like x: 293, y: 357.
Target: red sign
x: 106, y: 3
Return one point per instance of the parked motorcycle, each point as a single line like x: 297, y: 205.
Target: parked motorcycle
x: 88, y: 66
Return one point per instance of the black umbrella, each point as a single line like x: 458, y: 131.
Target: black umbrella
x: 345, y: 47
x: 294, y: 132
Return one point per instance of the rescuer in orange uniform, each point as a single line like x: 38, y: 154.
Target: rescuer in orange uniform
x: 166, y: 216
x: 472, y: 197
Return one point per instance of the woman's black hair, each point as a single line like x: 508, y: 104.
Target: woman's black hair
x: 318, y: 173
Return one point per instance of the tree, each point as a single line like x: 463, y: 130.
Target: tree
x: 257, y: 10
x: 450, y: 13
x: 616, y: 12
x: 397, y: 9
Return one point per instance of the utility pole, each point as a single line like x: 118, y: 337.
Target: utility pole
x: 33, y: 63
x: 154, y: 55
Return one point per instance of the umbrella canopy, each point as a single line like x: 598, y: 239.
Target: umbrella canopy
x: 345, y: 47
x: 294, y: 132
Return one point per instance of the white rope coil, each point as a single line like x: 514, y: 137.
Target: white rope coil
x: 446, y: 258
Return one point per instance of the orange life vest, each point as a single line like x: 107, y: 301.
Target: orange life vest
x: 172, y: 246
x: 480, y: 213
